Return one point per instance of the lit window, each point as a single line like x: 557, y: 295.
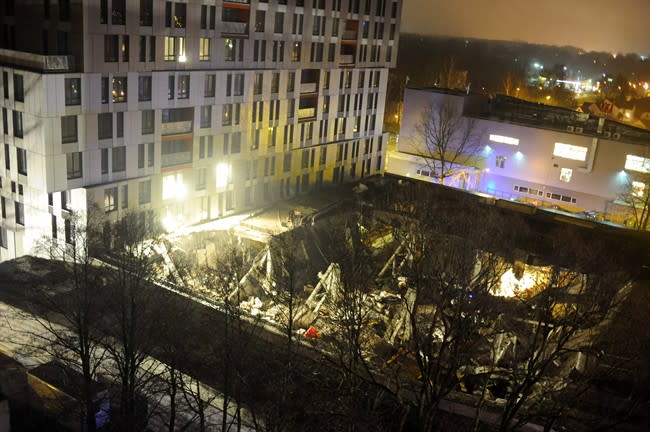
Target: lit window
x: 204, y: 49
x: 637, y: 163
x: 569, y: 151
x: 173, y: 186
x: 504, y: 139
x: 638, y: 189
x: 110, y: 199
x: 224, y: 172
x: 565, y: 174
x: 169, y: 54
x: 181, y: 49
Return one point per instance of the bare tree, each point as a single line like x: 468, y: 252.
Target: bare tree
x: 75, y: 302
x: 450, y: 76
x: 556, y: 322
x: 449, y: 268
x: 636, y: 195
x: 129, y: 309
x: 448, y: 141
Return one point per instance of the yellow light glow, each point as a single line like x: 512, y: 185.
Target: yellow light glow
x: 223, y: 174
x: 171, y: 223
x: 173, y: 187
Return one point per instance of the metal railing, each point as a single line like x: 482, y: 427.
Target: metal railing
x: 175, y: 128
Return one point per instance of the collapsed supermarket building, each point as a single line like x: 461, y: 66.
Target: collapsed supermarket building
x: 302, y: 279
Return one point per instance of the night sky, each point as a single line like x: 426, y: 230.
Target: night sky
x: 617, y: 26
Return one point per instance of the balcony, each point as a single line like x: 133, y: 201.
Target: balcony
x: 45, y: 63
x: 236, y: 1
x: 350, y: 35
x: 306, y: 113
x: 346, y: 59
x: 311, y: 87
x: 234, y: 28
x: 172, y: 159
x: 177, y: 128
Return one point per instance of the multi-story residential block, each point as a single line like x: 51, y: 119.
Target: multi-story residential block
x: 194, y: 109
x: 540, y: 154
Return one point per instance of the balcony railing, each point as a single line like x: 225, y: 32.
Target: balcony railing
x: 306, y: 113
x: 180, y: 158
x: 176, y: 128
x: 308, y: 87
x: 237, y: 1
x: 229, y: 27
x: 58, y: 63
x: 346, y: 59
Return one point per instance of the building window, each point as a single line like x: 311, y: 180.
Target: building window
x: 275, y: 82
x: 172, y: 186
x: 152, y: 48
x: 638, y: 189
x: 147, y: 122
x: 141, y: 150
x: 260, y: 17
x: 104, y: 90
x: 110, y: 199
x: 119, y: 89
x: 125, y: 196
x: 19, y: 90
x: 105, y: 126
x: 68, y: 129
x: 118, y: 13
x: 111, y: 48
x: 201, y: 174
x: 21, y: 158
x: 171, y: 86
x: 74, y: 165
x: 183, y: 86
x: 104, y: 161
x: 204, y: 49
x: 18, y: 124
x: 209, y: 89
x: 124, y: 48
x: 504, y: 139
x: 565, y: 174
x: 119, y: 159
x: 500, y: 161
x: 120, y: 124
x: 206, y: 116
x: 637, y: 163
x: 146, y: 13
x: 569, y: 151
x: 230, y: 50
x: 72, y: 91
x: 226, y: 115
x: 278, y: 26
x: 144, y: 88
x: 151, y: 148
x: 179, y: 15
x: 258, y: 83
x: 103, y: 11
x: 144, y: 192
x: 295, y: 52
x: 20, y: 213
x: 170, y: 50
x: 7, y: 157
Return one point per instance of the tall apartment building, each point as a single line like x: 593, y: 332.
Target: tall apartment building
x: 194, y: 109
